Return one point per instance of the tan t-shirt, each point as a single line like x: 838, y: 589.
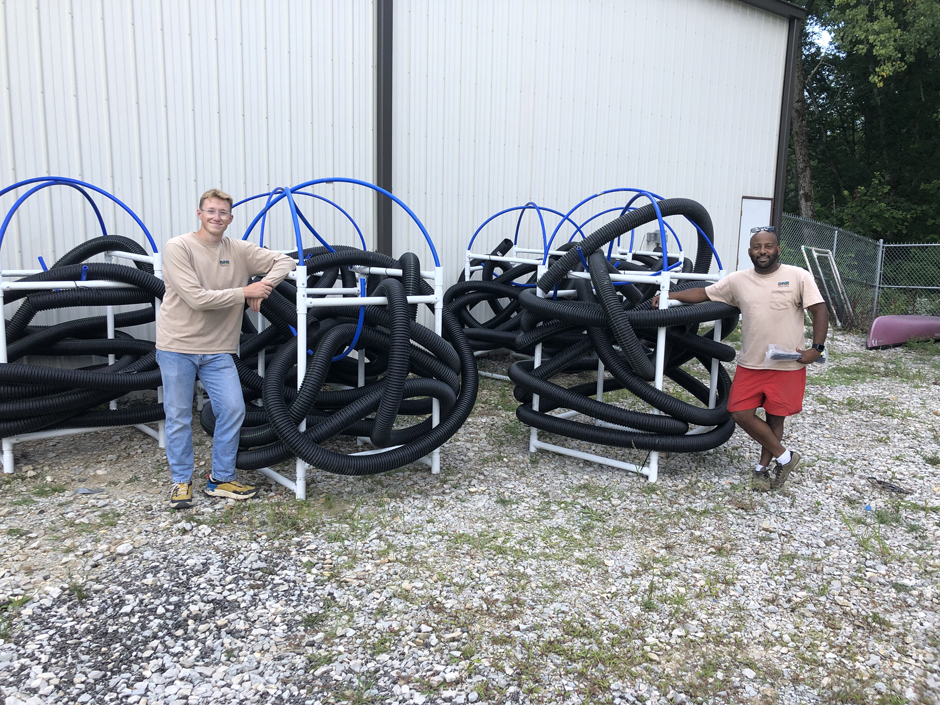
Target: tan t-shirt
x: 202, y: 308
x: 771, y: 311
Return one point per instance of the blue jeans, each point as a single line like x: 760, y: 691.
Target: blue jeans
x: 220, y: 378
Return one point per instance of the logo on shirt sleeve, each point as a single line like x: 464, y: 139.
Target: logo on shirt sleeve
x: 224, y: 263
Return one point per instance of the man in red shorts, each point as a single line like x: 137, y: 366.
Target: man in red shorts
x: 771, y: 297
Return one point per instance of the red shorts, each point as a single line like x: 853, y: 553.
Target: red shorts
x: 780, y: 392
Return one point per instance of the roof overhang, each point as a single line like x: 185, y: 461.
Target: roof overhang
x: 779, y: 7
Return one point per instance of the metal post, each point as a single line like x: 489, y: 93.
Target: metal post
x: 879, y: 262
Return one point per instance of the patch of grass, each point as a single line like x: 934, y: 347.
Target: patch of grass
x: 15, y: 532
x: 876, y: 620
x: 649, y: 604
x: 868, y: 537
x: 48, y: 490
x: 8, y: 614
x: 109, y: 518
x: 888, y: 515
x: 312, y: 620
x: 275, y: 519
x: 932, y: 459
x: 23, y: 502
x: 77, y: 588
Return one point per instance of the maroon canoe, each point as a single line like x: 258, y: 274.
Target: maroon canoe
x: 888, y: 331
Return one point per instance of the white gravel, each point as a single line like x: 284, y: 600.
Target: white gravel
x: 507, y: 578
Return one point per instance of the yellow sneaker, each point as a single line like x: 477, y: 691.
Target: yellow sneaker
x: 182, y: 495
x: 231, y: 490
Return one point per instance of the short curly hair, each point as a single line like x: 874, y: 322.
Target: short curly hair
x: 215, y: 193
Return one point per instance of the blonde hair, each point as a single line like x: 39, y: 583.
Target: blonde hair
x: 215, y: 193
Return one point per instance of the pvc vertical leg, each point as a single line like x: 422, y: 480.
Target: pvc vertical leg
x: 300, y: 491
x: 7, y: 456
x: 7, y: 444
x: 713, y: 384
x: 438, y: 329
x: 653, y: 467
x: 533, y: 432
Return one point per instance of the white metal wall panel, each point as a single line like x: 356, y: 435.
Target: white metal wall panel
x: 158, y: 100
x: 497, y: 103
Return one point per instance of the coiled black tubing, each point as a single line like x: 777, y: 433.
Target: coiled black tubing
x: 613, y: 324
x: 35, y: 397
x: 407, y: 366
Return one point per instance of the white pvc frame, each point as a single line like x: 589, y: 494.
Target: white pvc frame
x: 651, y: 469
x: 156, y: 259
x: 305, y: 303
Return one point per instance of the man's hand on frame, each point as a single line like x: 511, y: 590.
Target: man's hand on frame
x: 258, y: 290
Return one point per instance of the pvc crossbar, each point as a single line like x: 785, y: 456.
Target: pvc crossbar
x: 157, y: 260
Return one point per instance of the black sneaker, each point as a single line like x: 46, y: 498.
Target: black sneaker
x: 782, y: 472
x: 761, y: 480
x: 229, y: 490
x: 182, y: 495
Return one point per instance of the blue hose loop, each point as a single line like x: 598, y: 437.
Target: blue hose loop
x: 272, y: 199
x: 583, y: 261
x: 610, y: 246
x: 662, y: 222
x: 649, y: 195
x: 705, y: 237
x: 294, y: 213
x: 515, y: 240
x: 362, y: 318
x: 264, y: 218
x: 539, y: 210
x: 46, y: 181
x: 269, y: 204
x: 378, y: 189
x: 362, y: 239
x: 297, y: 217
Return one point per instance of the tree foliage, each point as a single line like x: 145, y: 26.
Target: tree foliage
x: 873, y: 116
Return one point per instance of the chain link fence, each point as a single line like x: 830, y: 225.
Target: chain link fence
x: 878, y: 279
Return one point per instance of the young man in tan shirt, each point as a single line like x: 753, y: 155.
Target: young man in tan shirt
x: 198, y: 327
x: 771, y: 297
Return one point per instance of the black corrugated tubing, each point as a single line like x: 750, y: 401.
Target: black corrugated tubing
x: 617, y: 324
x: 407, y: 365
x: 35, y: 397
x: 500, y: 293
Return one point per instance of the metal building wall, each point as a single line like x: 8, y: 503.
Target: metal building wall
x: 158, y: 100
x: 498, y: 103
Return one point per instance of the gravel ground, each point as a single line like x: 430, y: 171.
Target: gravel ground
x: 509, y: 577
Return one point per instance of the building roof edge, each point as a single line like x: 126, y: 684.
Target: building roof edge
x: 779, y: 7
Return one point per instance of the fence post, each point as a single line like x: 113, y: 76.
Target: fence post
x: 878, y: 262
x: 835, y: 242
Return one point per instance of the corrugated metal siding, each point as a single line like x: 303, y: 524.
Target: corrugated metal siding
x: 497, y: 103
x: 158, y: 100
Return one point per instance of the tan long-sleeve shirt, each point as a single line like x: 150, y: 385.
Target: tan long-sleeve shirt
x: 202, y: 308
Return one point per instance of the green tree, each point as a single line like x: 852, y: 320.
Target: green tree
x: 872, y: 117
